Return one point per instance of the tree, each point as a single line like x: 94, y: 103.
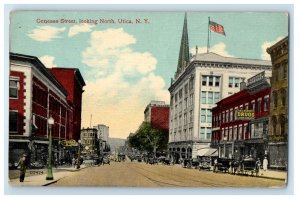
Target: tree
x: 148, y: 138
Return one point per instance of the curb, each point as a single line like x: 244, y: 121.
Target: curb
x: 54, y: 181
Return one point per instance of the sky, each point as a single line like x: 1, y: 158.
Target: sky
x: 126, y: 65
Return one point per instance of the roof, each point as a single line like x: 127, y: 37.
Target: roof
x: 76, y: 72
x: 213, y: 57
x: 40, y: 66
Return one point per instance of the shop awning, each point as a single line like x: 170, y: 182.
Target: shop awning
x: 208, y: 152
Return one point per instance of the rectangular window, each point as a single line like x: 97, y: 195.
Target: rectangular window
x: 234, y: 132
x: 240, y: 132
x: 13, y: 121
x: 180, y: 93
x: 203, y: 115
x: 259, y: 105
x: 276, y: 72
x: 202, y: 133
x: 252, y: 131
x: 231, y: 115
x: 204, y: 80
x: 283, y: 70
x: 216, y: 97
x: 211, y: 79
x: 230, y: 134
x: 208, y: 133
x: 227, y: 116
x: 191, y: 99
x: 253, y: 105
x: 13, y: 88
x: 209, y: 115
x: 266, y: 103
x: 217, y: 81
x: 210, y: 98
x: 236, y: 82
x: 223, y: 117
x: 245, y: 131
x: 203, y: 97
x: 230, y: 85
x: 246, y: 106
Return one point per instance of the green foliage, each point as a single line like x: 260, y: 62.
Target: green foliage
x: 149, y: 139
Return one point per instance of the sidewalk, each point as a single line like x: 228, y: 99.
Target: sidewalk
x: 269, y: 174
x: 273, y: 174
x: 40, y: 180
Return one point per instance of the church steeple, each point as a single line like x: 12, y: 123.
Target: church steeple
x: 184, y: 53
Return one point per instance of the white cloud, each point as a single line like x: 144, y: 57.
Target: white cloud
x: 45, y: 33
x: 74, y: 30
x: 125, y: 82
x: 267, y: 44
x: 48, y: 61
x: 219, y: 48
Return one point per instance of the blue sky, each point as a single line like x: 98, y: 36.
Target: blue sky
x: 127, y: 65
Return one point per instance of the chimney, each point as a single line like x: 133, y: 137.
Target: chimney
x: 243, y: 85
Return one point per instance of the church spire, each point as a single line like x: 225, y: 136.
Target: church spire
x: 184, y: 53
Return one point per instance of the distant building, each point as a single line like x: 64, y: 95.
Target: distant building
x: 278, y: 131
x: 199, y: 83
x: 102, y: 132
x: 240, y: 122
x: 89, y: 141
x: 157, y: 114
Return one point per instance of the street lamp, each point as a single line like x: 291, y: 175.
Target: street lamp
x: 49, y: 169
x: 78, y: 158
x: 225, y: 139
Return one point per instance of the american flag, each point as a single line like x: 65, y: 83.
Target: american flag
x: 215, y: 27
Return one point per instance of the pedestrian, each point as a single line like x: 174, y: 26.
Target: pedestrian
x: 73, y: 162
x: 265, y: 164
x: 22, y: 165
x: 257, y: 165
x: 215, y: 164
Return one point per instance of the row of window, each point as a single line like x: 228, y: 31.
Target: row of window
x: 258, y: 106
x: 187, y: 118
x: 206, y: 115
x: 234, y: 82
x: 236, y: 132
x: 186, y: 103
x: 182, y: 135
x: 205, y: 133
x: 88, y: 142
x: 280, y: 67
x: 281, y: 128
x: 283, y: 97
x: 187, y: 87
x: 88, y: 134
x: 209, y: 97
x: 211, y: 80
x: 39, y: 95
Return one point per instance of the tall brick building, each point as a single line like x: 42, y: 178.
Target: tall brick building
x: 157, y: 114
x: 278, y: 131
x: 35, y: 94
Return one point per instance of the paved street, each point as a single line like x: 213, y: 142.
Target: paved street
x: 132, y: 174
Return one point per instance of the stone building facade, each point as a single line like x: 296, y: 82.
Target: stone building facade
x: 278, y: 131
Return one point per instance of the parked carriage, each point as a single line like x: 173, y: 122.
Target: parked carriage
x: 223, y: 164
x: 250, y: 166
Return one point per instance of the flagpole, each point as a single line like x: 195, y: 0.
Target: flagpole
x: 208, y: 35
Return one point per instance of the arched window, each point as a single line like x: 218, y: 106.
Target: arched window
x: 274, y: 124
x: 283, y: 97
x: 275, y: 98
x: 282, y: 124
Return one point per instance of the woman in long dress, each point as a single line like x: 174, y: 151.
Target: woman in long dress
x: 265, y: 164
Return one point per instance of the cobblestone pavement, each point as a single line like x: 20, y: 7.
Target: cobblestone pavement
x: 135, y: 174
